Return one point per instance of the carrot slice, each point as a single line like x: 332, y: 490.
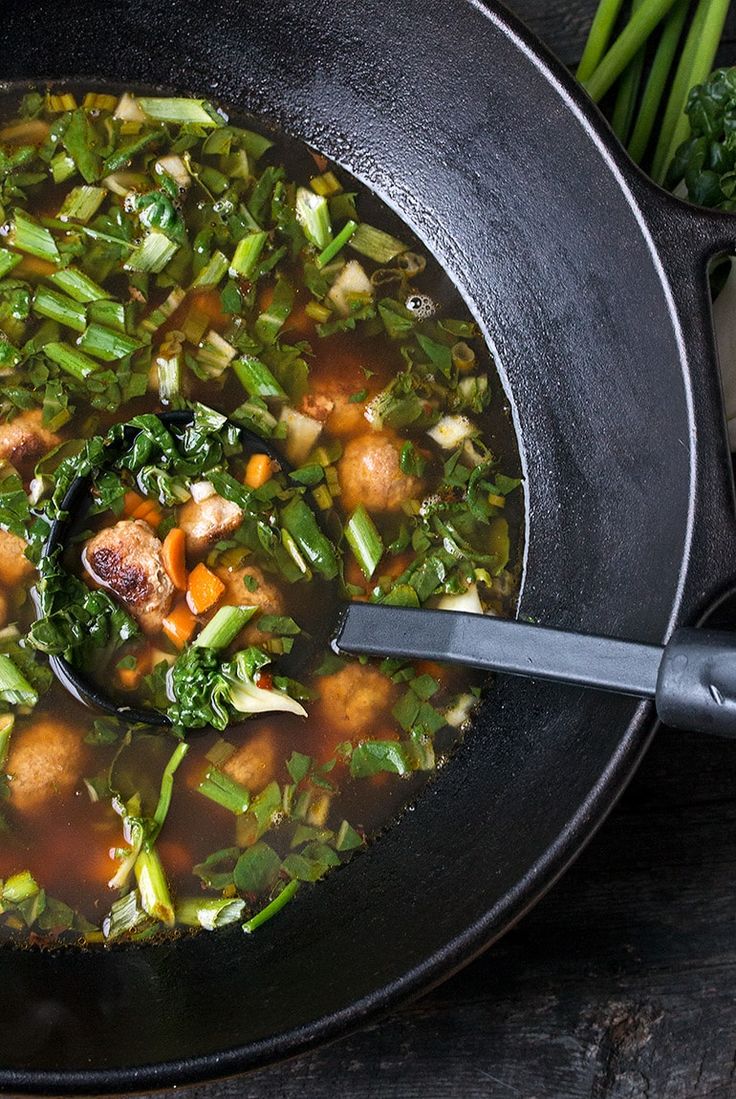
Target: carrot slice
x: 258, y: 470
x: 180, y: 624
x: 136, y: 506
x: 131, y: 677
x: 131, y: 502
x: 173, y: 555
x: 204, y: 589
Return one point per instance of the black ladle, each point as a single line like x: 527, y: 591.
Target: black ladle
x: 692, y: 679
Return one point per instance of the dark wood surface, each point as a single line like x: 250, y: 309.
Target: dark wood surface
x: 621, y: 983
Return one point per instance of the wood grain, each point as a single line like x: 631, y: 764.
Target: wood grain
x: 620, y: 984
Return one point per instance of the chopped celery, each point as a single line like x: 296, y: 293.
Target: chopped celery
x: 225, y: 791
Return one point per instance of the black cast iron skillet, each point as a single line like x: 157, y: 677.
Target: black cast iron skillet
x: 592, y: 284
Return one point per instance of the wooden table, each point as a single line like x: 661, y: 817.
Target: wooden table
x: 621, y: 984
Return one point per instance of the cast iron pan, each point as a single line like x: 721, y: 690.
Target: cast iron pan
x: 593, y: 286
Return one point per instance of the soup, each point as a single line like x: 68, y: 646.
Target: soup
x: 158, y: 257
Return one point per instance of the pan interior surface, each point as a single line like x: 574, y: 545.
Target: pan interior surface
x: 513, y: 191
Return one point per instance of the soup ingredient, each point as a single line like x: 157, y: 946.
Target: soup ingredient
x: 45, y: 762
x: 173, y: 555
x: 350, y: 698
x: 24, y: 440
x: 207, y: 521
x: 204, y: 589
x: 370, y: 474
x: 253, y: 764
x: 15, y: 567
x: 127, y: 560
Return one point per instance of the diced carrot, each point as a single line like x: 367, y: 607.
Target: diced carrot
x: 131, y: 502
x: 131, y: 677
x: 204, y: 589
x: 180, y: 624
x: 258, y: 470
x: 136, y: 506
x: 173, y: 555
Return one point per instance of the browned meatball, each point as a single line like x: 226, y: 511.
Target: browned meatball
x: 207, y: 522
x: 265, y: 595
x: 254, y: 763
x: 370, y: 474
x: 46, y: 759
x: 329, y: 401
x: 14, y: 565
x: 126, y: 560
x: 352, y: 699
x: 24, y: 440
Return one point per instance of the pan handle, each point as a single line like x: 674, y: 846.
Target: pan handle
x: 686, y: 239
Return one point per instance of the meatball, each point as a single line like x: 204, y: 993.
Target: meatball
x: 24, y: 440
x: 126, y: 560
x: 370, y: 474
x: 351, y: 699
x: 265, y: 595
x: 329, y: 401
x: 14, y: 565
x: 46, y: 759
x: 207, y: 522
x: 253, y: 764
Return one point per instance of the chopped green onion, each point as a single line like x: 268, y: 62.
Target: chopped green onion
x: 375, y: 244
x: 19, y: 888
x: 159, y: 316
x: 78, y: 285
x: 247, y: 254
x: 58, y: 307
x: 82, y: 203
x: 327, y: 184
x: 152, y: 254
x: 167, y: 787
x: 224, y: 627
x: 628, y: 90
x: 364, y: 540
x: 7, y: 722
x: 8, y: 260
x: 153, y: 887
x: 270, y: 322
x: 256, y: 378
x: 74, y: 362
x: 105, y: 344
x: 271, y: 909
x: 169, y: 370
x: 125, y: 914
x: 317, y: 311
x: 348, y: 230
x: 62, y: 167
x: 215, y: 354
x: 110, y: 314
x: 28, y: 236
x: 14, y: 687
x: 313, y: 214
x: 225, y: 791
x: 213, y: 271
x: 209, y: 912
x: 179, y: 111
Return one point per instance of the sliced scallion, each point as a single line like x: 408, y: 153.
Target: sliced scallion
x: 8, y: 260
x: 348, y: 230
x: 169, y: 370
x: 78, y: 285
x: 224, y: 627
x: 62, y: 167
x: 19, y: 887
x: 375, y: 244
x: 313, y: 214
x: 103, y: 343
x: 82, y: 203
x: 7, y: 721
x: 153, y: 887
x: 247, y: 254
x: 213, y: 271
x: 14, y: 687
x: 209, y: 912
x: 178, y: 110
x: 28, y: 236
x: 159, y: 316
x: 70, y: 360
x: 271, y: 909
x: 111, y: 314
x: 256, y: 378
x: 225, y: 791
x: 364, y: 540
x: 298, y: 519
x: 60, y: 308
x: 152, y: 254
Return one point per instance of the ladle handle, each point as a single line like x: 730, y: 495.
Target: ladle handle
x: 692, y: 680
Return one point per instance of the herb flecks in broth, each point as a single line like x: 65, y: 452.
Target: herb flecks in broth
x: 156, y: 256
